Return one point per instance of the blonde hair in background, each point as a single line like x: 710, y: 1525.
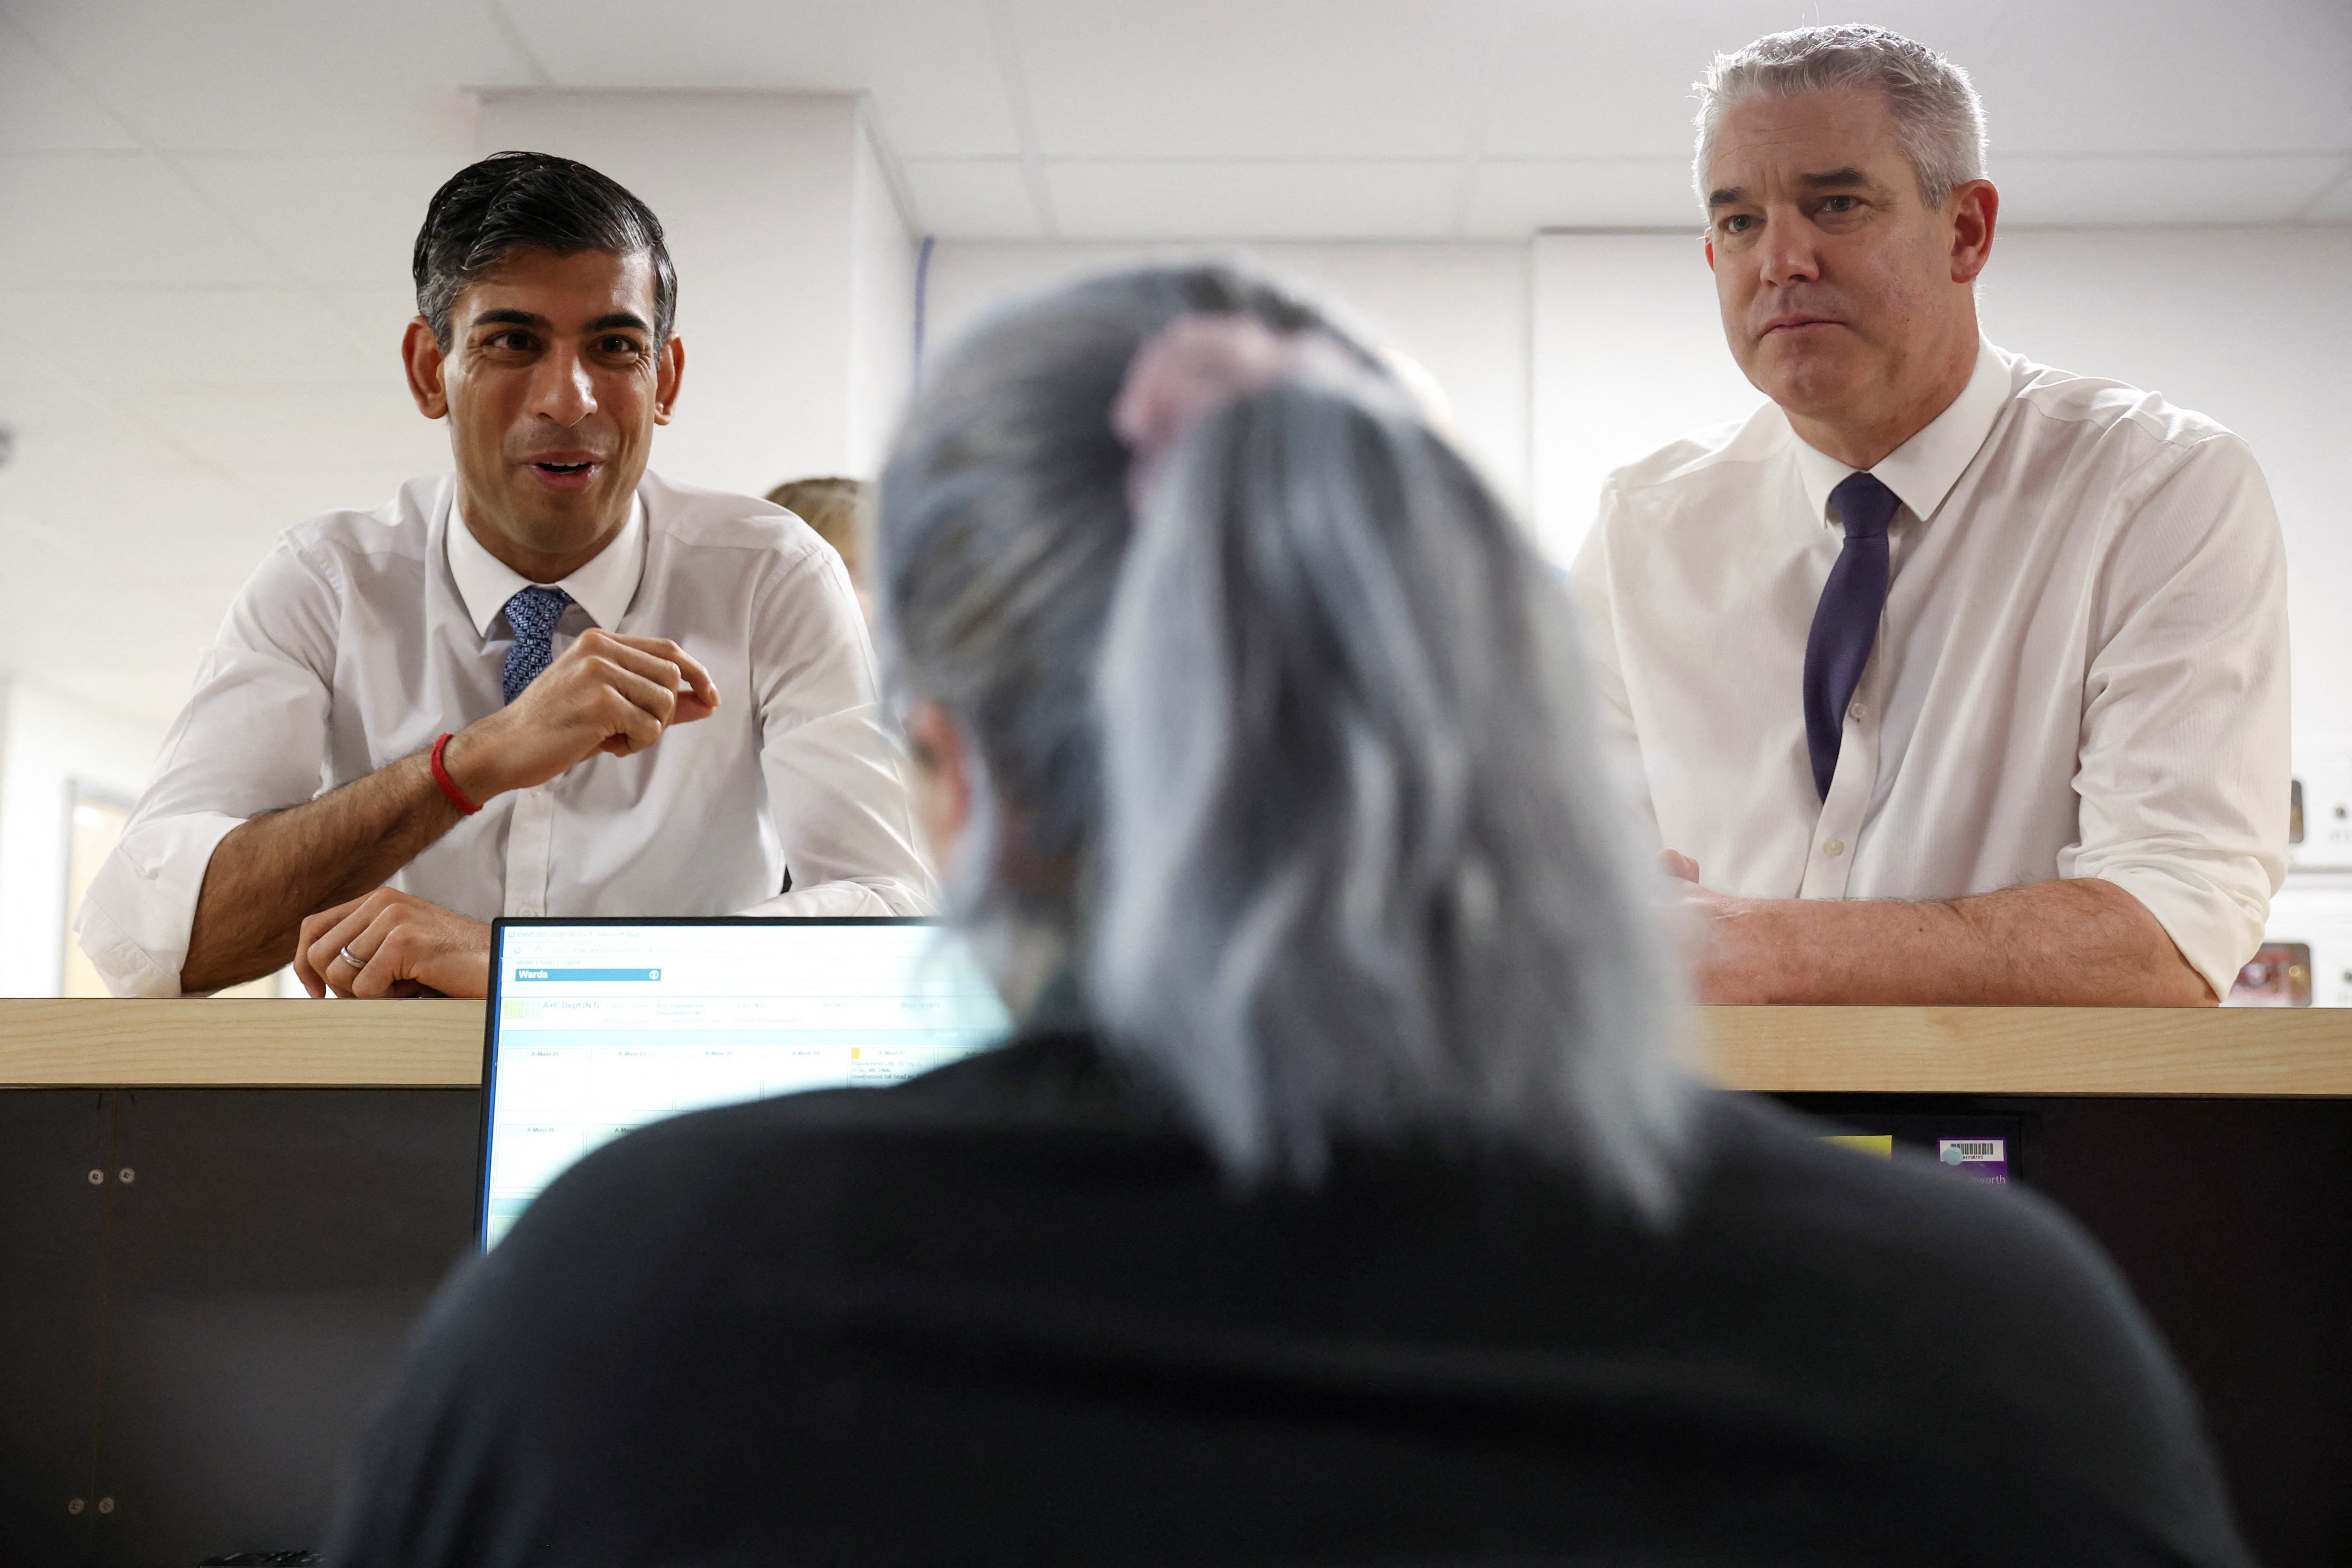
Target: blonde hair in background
x: 830, y: 506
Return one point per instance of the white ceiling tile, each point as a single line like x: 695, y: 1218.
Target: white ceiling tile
x: 63, y: 441
x: 930, y: 64
x: 371, y: 427
x: 2177, y: 76
x: 94, y: 505
x: 216, y: 337
x: 1364, y: 78
x: 2335, y: 204
x: 1234, y: 200
x: 2042, y: 191
x: 284, y: 75
x: 973, y: 198
x: 111, y: 220
x: 41, y: 111
x: 1597, y: 78
x: 340, y: 220
x: 1513, y: 199
x: 147, y: 659
x: 163, y: 524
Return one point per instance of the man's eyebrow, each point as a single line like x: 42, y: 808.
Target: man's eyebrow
x: 1827, y: 180
x: 619, y: 319
x: 509, y: 319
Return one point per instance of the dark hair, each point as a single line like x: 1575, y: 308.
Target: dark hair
x: 511, y: 199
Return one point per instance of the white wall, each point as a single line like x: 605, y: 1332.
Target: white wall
x: 2249, y: 326
x: 50, y: 743
x: 881, y: 317
x: 795, y: 277
x: 1628, y: 355
x: 1459, y: 309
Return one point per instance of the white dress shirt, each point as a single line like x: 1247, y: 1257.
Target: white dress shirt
x: 2081, y: 671
x: 363, y: 636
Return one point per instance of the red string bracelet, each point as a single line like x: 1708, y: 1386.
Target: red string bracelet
x: 449, y: 786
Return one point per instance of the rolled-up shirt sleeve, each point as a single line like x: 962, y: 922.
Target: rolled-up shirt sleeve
x: 2185, y: 768
x: 835, y: 778
x: 251, y: 740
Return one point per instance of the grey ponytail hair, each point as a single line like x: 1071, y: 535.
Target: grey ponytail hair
x: 1295, y: 766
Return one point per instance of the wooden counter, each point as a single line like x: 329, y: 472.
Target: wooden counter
x: 1861, y: 1051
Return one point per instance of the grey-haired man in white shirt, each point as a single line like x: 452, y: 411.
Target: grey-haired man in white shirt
x: 1952, y: 678
x: 550, y: 683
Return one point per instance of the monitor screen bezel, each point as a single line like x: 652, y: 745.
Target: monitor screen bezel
x: 498, y: 929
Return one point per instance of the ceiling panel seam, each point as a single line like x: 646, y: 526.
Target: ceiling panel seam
x: 2342, y: 180
x: 1482, y: 116
x: 1002, y: 38
x: 894, y: 170
x: 292, y: 276
x: 516, y: 41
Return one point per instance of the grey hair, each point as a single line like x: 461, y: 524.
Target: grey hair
x: 1293, y: 755
x: 1939, y: 118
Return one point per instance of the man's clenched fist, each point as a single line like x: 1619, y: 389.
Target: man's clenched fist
x: 607, y: 693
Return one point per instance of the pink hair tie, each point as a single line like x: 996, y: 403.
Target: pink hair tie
x: 1199, y: 360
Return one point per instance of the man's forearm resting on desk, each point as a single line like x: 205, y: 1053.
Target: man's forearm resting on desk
x: 606, y: 693
x: 2077, y: 943
x: 270, y: 872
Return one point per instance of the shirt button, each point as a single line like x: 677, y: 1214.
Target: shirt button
x: 528, y: 911
x: 1833, y: 848
x: 1858, y: 713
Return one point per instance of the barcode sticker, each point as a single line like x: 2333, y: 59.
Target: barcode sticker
x: 1959, y: 1151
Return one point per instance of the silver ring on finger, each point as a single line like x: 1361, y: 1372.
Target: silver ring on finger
x: 353, y: 959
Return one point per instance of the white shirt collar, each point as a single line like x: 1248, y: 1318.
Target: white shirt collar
x: 1923, y: 470
x: 602, y: 588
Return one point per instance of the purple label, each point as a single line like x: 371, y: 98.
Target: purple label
x: 1986, y: 1159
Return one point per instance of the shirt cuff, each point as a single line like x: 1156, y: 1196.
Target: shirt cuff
x: 2214, y: 932
x: 136, y: 916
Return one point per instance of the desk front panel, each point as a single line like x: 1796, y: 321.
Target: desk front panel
x: 200, y: 1344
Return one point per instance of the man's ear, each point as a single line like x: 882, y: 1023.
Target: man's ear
x: 1975, y: 209
x: 667, y: 375
x: 420, y: 350
x: 1710, y: 239
x: 942, y: 780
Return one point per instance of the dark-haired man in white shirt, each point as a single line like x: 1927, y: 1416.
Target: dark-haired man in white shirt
x: 1952, y: 678
x: 549, y: 683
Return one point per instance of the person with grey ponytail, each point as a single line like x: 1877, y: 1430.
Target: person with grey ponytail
x: 1341, y: 1196
x: 1352, y: 870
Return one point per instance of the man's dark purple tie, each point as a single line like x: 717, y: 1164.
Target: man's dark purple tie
x: 1845, y: 623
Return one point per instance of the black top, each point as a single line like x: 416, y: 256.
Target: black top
x: 1009, y: 1311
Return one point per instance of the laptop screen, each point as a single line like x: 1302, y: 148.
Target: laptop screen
x: 597, y: 1026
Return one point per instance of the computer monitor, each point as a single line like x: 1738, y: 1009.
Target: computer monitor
x: 598, y: 1027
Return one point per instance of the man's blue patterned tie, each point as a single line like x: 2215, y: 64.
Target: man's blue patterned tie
x: 533, y: 614
x: 1845, y: 622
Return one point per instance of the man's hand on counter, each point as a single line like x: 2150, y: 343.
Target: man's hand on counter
x: 404, y: 947
x: 2080, y: 942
